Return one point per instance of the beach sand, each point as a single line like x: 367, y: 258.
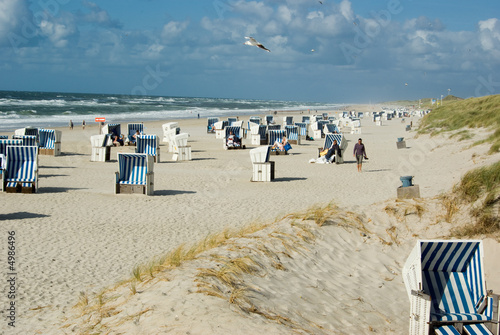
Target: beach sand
x: 75, y: 235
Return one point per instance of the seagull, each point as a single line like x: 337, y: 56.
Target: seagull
x: 252, y: 41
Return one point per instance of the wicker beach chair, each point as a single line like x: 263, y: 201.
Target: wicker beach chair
x: 293, y: 134
x: 341, y: 141
x: 50, y: 142
x: 277, y: 136
x: 114, y: 129
x: 262, y: 168
x: 237, y: 141
x: 3, y: 149
x: 180, y: 148
x: 21, y: 169
x: 210, y: 124
x: 132, y: 130
x: 445, y: 283
x: 135, y: 175
x: 101, y: 147
x: 28, y: 140
x: 148, y: 144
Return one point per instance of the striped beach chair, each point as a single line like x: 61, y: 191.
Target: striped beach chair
x: 148, y: 144
x: 21, y: 169
x: 3, y: 149
x: 28, y: 140
x: 132, y: 130
x: 302, y: 129
x: 231, y: 120
x: 341, y: 141
x: 50, y: 142
x: 135, y: 175
x: 445, y: 284
x: 331, y: 128
x: 254, y: 119
x: 274, y: 127
x: 293, y: 134
x: 306, y: 119
x: 4, y: 137
x: 238, y: 141
x: 287, y: 121
x: 210, y: 125
x: 276, y: 136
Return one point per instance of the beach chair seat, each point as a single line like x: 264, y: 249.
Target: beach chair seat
x: 446, y: 330
x: 148, y: 144
x: 21, y: 170
x: 446, y: 277
x: 236, y: 141
x: 135, y: 174
x: 50, y: 142
x: 477, y: 329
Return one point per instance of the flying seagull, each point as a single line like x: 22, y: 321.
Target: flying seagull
x: 252, y: 41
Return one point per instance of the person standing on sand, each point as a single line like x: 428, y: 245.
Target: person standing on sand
x: 359, y: 153
x: 71, y: 124
x: 83, y: 124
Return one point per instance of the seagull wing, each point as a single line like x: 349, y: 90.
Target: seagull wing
x: 263, y: 47
x: 252, y: 40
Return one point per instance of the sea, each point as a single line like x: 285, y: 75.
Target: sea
x: 19, y: 109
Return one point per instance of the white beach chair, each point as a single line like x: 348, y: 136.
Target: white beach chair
x: 170, y: 129
x: 445, y: 283
x: 135, y: 174
x: 262, y: 168
x: 181, y: 150
x: 101, y: 147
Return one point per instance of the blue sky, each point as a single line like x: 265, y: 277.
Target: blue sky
x: 363, y: 50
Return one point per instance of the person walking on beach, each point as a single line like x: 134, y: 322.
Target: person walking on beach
x: 71, y: 124
x: 83, y: 124
x: 359, y: 153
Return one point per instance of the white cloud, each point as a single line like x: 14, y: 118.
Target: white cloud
x: 13, y: 14
x: 57, y: 31
x: 173, y: 29
x: 489, y: 34
x: 346, y: 10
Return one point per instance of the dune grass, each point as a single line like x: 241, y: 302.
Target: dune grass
x: 459, y: 116
x: 480, y: 189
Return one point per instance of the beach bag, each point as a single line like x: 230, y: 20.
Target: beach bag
x: 324, y: 152
x: 287, y: 146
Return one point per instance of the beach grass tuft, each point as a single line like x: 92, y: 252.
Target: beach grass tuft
x: 458, y: 117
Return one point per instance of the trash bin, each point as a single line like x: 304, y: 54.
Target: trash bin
x: 407, y: 180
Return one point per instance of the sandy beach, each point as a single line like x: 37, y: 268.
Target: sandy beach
x: 75, y: 235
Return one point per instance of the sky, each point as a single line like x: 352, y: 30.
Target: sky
x: 323, y: 51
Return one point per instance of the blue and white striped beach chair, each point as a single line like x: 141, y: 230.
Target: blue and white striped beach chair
x: 331, y: 128
x: 341, y: 141
x: 276, y: 136
x: 132, y: 130
x: 4, y: 137
x: 254, y: 119
x: 28, y: 140
x: 135, y: 175
x: 148, y: 144
x: 210, y: 124
x: 50, y: 142
x: 293, y: 134
x: 235, y: 142
x: 445, y: 283
x: 306, y: 119
x: 21, y: 169
x: 231, y: 120
x: 302, y: 129
x: 3, y: 149
x: 274, y: 127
